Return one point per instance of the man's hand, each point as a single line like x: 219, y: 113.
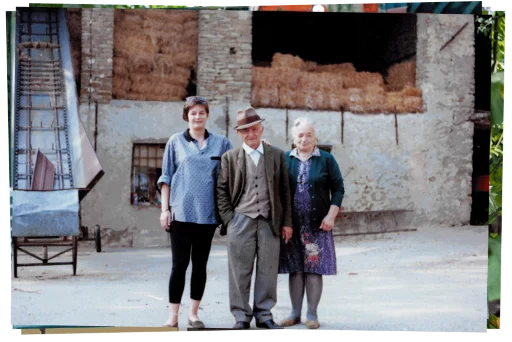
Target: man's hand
x: 287, y: 233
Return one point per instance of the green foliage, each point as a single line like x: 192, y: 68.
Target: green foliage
x: 497, y: 96
x: 494, y: 28
x: 497, y: 35
x: 494, y: 280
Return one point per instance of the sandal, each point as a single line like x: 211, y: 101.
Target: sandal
x: 196, y: 324
x: 290, y: 321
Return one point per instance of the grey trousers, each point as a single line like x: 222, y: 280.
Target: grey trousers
x: 249, y: 239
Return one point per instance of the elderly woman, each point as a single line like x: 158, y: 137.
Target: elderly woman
x: 190, y: 167
x: 317, y: 190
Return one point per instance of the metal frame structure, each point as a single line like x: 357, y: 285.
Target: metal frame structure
x: 49, y: 142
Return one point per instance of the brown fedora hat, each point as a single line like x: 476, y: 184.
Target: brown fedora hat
x: 247, y: 117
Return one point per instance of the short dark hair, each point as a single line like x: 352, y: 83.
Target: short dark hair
x: 192, y: 101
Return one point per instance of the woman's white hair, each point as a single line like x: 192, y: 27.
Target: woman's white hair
x: 302, y: 121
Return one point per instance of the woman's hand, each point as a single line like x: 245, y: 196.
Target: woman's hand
x: 265, y: 142
x: 327, y: 223
x: 165, y: 219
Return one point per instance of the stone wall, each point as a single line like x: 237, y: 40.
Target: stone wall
x: 224, y: 56
x: 97, y: 54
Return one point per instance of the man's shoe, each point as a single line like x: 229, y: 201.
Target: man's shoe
x: 270, y: 324
x: 242, y: 325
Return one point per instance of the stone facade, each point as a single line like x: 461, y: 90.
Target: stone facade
x: 97, y: 54
x: 414, y: 173
x: 224, y: 56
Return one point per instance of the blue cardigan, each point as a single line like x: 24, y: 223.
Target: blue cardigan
x: 325, y: 185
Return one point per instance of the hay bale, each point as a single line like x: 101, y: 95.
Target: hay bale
x: 374, y: 99
x: 132, y: 18
x: 159, y: 88
x: 168, y: 15
x: 402, y: 75
x: 168, y: 36
x: 139, y: 42
x: 120, y: 71
x: 410, y: 91
x: 186, y: 59
x: 309, y: 66
x: 266, y: 97
x: 332, y: 82
x: 315, y: 100
x: 379, y: 89
x: 254, y: 98
x: 362, y: 79
x: 178, y: 76
x: 156, y: 50
x: 287, y: 61
x: 413, y: 104
x: 333, y: 100
x: 335, y: 68
x: 311, y: 82
x: 122, y: 83
x: 299, y: 98
x: 286, y: 97
x: 285, y: 77
x: 344, y: 96
x: 262, y: 77
x: 393, y: 103
x: 317, y: 81
x: 155, y: 14
x: 154, y: 25
x: 190, y: 30
x: 356, y: 100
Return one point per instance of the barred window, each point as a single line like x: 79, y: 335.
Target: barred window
x: 146, y: 169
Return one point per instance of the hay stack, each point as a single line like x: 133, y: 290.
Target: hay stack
x: 261, y: 77
x: 287, y: 61
x: 309, y: 66
x: 354, y: 79
x: 401, y: 75
x: 155, y: 51
x: 293, y: 83
x: 285, y: 77
x: 335, y: 68
x: 266, y: 97
x: 408, y: 100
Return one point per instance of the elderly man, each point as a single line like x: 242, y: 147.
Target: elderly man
x: 253, y: 199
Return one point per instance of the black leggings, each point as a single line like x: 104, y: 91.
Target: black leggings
x: 186, y: 239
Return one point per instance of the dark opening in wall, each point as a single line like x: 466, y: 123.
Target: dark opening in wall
x: 480, y: 191
x: 482, y: 130
x: 482, y: 70
x: 370, y: 41
x: 360, y: 62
